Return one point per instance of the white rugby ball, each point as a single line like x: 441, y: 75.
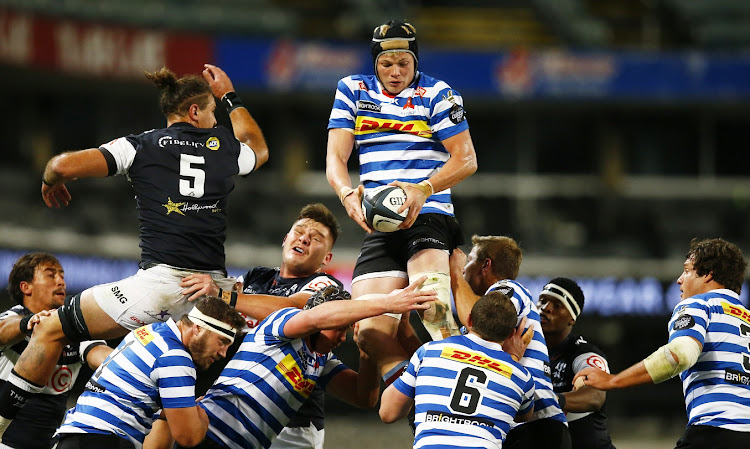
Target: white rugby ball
x: 380, y: 207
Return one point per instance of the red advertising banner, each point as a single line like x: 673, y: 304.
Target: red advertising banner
x: 98, y: 50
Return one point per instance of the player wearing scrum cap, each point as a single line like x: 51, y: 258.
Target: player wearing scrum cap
x: 560, y: 304
x: 281, y: 361
x: 410, y: 130
x: 153, y: 368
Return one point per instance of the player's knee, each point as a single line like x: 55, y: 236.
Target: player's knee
x: 374, y: 334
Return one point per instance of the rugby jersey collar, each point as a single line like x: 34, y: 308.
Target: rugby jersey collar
x: 173, y: 327
x: 486, y: 343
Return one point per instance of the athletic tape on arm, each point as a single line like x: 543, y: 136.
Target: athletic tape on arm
x: 661, y: 365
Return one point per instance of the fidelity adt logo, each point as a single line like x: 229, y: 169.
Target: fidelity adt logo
x: 212, y: 143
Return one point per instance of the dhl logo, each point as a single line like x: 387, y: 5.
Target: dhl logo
x: 367, y: 125
x: 144, y: 335
x: 736, y: 311
x: 290, y: 370
x: 477, y: 359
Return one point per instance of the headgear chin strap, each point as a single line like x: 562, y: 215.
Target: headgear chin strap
x: 565, y: 297
x: 212, y: 324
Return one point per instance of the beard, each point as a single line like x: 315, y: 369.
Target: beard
x: 197, y: 350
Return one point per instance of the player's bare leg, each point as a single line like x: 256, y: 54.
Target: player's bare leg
x: 378, y: 335
x: 38, y: 361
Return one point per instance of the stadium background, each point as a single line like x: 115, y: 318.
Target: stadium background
x: 608, y: 134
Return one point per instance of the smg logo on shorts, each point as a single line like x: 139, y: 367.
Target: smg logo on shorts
x: 119, y: 295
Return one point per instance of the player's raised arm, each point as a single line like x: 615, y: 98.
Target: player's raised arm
x: 245, y: 127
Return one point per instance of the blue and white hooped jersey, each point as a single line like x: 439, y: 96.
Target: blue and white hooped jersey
x: 399, y: 138
x: 536, y: 357
x: 466, y: 391
x: 717, y: 387
x: 149, y: 370
x: 264, y: 385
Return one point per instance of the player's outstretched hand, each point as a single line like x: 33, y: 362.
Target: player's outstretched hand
x: 409, y: 298
x: 515, y: 345
x: 592, y: 377
x: 55, y: 195
x: 197, y: 285
x: 218, y: 80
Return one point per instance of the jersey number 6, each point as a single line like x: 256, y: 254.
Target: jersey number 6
x: 465, y: 398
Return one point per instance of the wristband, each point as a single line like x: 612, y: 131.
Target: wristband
x: 231, y: 101
x: 46, y: 183
x: 426, y: 188
x: 344, y: 192
x: 24, y: 325
x: 228, y: 297
x: 561, y: 399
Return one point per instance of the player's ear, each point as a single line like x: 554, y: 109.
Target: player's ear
x: 327, y: 259
x: 193, y: 111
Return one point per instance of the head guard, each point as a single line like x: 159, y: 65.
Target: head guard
x: 568, y: 292
x: 394, y: 35
x: 330, y: 293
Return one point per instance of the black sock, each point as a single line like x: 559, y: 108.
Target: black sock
x: 15, y: 393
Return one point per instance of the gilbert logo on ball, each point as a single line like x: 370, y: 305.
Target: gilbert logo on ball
x: 380, y: 207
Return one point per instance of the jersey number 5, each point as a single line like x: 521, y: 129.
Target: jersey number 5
x: 465, y: 398
x: 195, y: 186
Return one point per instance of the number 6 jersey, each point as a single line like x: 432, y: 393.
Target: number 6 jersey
x: 466, y: 392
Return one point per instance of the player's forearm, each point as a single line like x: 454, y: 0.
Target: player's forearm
x: 635, y: 375
x: 247, y: 131
x: 260, y: 306
x: 463, y: 295
x: 10, y: 331
x: 368, y: 382
x: 332, y: 315
x: 340, y: 143
x: 586, y: 399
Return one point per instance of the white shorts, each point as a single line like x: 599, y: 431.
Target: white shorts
x: 150, y: 295
x: 299, y: 438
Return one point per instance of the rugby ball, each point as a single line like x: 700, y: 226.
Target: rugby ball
x: 380, y: 207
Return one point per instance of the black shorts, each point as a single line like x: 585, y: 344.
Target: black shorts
x: 390, y: 251
x: 93, y: 441
x: 542, y: 433
x: 696, y: 437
